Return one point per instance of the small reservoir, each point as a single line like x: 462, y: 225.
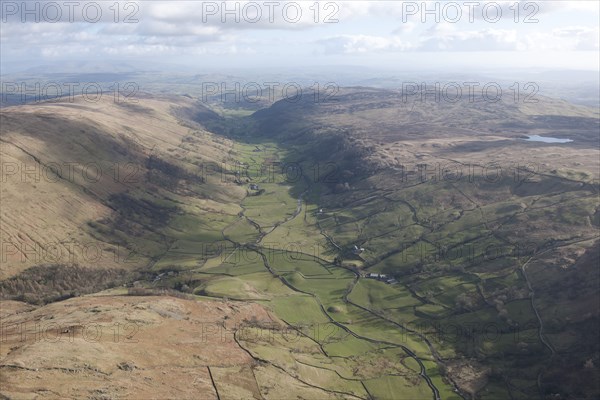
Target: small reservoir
x: 537, y: 138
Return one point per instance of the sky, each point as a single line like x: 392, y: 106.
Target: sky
x: 394, y: 35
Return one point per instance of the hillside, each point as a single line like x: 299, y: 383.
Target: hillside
x: 391, y: 128
x: 94, y: 184
x: 105, y: 347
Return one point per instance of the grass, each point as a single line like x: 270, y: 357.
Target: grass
x: 299, y: 310
x: 330, y: 380
x: 294, y: 261
x: 395, y: 387
x: 349, y: 346
x: 381, y: 296
x: 241, y: 231
x: 300, y: 235
x: 432, y: 311
x: 406, y: 259
x: 267, y: 284
x: 233, y: 287
x: 300, y: 356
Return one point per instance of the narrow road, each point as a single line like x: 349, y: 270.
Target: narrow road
x: 539, y: 318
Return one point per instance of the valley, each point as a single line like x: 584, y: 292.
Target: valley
x: 250, y: 238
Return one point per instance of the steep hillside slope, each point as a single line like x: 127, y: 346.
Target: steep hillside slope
x: 96, y: 184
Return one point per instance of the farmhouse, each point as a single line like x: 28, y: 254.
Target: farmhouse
x: 382, y: 278
x: 356, y: 250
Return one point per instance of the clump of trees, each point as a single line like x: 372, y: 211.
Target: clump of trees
x: 44, y: 284
x: 466, y: 302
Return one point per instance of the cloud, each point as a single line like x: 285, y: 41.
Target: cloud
x: 576, y: 38
x: 446, y: 37
x: 405, y: 28
x: 416, y: 11
x: 242, y: 15
x: 239, y: 14
x: 573, y: 38
x: 187, y: 28
x: 352, y: 44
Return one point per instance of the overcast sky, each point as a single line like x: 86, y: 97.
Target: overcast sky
x: 388, y: 34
